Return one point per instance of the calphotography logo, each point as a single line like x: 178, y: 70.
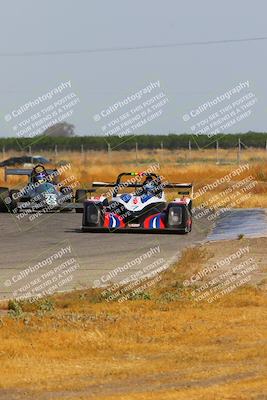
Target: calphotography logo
x: 225, y: 111
x: 43, y: 113
x: 128, y: 115
x: 104, y: 279
x: 45, y: 276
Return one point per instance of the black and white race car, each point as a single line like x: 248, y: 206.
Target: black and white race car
x: 145, y: 209
x: 43, y: 193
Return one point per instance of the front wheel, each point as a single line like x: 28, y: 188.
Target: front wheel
x: 13, y: 205
x: 80, y: 197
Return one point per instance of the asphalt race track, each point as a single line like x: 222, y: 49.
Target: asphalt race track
x: 50, y: 250
x: 26, y: 243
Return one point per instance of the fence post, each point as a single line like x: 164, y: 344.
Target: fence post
x: 83, y: 153
x: 239, y: 151
x: 109, y: 150
x: 217, y: 152
x: 30, y: 153
x: 189, y: 149
x: 56, y: 153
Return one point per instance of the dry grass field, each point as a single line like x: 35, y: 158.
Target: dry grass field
x: 165, y: 347
x: 199, y: 166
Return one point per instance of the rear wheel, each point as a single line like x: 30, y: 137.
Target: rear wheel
x: 190, y: 206
x: 4, y: 194
x: 80, y: 197
x: 179, y: 217
x: 189, y: 220
x: 68, y: 193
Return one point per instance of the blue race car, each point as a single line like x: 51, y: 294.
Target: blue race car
x: 42, y: 193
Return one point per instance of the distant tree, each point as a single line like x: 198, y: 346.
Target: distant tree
x: 60, y: 129
x: 66, y: 140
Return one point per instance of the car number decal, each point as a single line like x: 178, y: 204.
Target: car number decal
x: 51, y: 199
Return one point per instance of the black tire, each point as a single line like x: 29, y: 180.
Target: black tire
x: 4, y: 192
x: 13, y: 206
x: 190, y: 205
x: 68, y: 197
x: 66, y: 190
x: 80, y: 197
x: 93, y: 214
x: 189, y: 228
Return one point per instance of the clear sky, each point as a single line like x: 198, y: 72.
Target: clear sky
x: 189, y: 75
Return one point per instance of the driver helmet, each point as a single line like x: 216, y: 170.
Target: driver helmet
x: 39, y: 174
x: 149, y: 185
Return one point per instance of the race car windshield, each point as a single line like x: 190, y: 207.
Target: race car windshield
x: 137, y: 183
x: 128, y: 185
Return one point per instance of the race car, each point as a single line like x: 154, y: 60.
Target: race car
x: 143, y: 210
x: 43, y: 193
x: 22, y: 160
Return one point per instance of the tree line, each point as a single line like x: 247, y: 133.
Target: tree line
x: 171, y: 141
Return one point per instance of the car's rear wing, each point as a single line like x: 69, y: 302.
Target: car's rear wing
x: 168, y: 185
x: 186, y: 188
x: 179, y: 185
x: 103, y: 184
x: 23, y: 171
